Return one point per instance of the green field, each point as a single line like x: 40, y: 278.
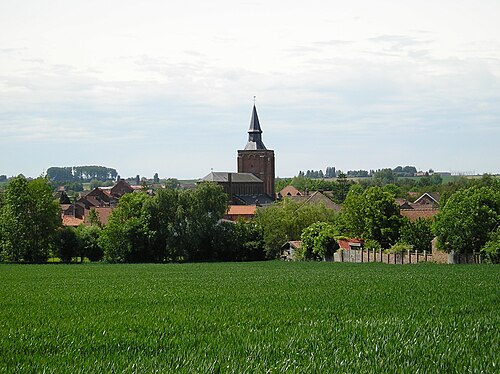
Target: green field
x: 250, y: 317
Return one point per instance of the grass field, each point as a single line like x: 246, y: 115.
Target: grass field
x: 250, y: 317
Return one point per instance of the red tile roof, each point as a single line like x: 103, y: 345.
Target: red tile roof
x: 414, y: 214
x: 290, y: 191
x: 71, y: 221
x: 242, y: 210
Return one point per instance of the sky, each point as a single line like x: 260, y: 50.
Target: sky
x: 168, y: 87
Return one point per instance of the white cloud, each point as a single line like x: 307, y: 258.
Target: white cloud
x: 166, y: 77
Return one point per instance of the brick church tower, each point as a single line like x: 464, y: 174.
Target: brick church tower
x: 256, y: 158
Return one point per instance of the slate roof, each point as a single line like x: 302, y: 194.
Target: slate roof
x: 317, y: 197
x: 218, y: 176
x: 254, y: 199
x: 255, y: 134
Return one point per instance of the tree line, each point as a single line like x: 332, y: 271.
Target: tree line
x: 81, y: 174
x: 172, y: 225
x: 331, y: 172
x: 186, y: 225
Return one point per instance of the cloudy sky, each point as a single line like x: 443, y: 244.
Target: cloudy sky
x: 167, y: 86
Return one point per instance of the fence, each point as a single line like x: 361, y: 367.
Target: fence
x: 408, y: 257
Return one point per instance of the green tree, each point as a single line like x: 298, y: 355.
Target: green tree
x: 417, y: 234
x: 29, y: 220
x: 68, y: 245
x: 126, y: 237
x: 372, y: 214
x: 285, y: 221
x: 88, y: 237
x: 467, y: 220
x: 172, y: 225
x: 318, y: 240
x: 204, y: 207
x: 491, y: 250
x: 385, y: 176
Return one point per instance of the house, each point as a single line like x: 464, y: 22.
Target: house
x: 100, y: 199
x: 236, y: 212
x: 103, y: 213
x: 121, y: 188
x: 428, y: 199
x: 289, y: 191
x: 415, y: 214
x: 316, y: 197
x: 71, y: 221
x: 348, y: 244
x: 288, y: 250
x: 425, y: 206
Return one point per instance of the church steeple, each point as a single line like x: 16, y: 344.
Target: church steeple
x: 255, y: 133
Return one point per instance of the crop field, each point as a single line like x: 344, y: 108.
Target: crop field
x: 250, y: 317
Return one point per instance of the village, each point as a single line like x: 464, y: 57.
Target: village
x: 252, y: 188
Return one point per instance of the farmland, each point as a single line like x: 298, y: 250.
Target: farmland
x: 249, y: 317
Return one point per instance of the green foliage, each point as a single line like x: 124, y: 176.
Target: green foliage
x: 81, y: 173
x: 339, y: 187
x: 88, y: 238
x: 29, y: 219
x: 302, y: 317
x: 371, y: 214
x: 238, y: 241
x: 68, y: 244
x: 467, y: 220
x: 172, y: 225
x: 418, y: 234
x: 372, y: 244
x: 491, y: 250
x: 384, y: 176
x: 285, y: 221
x: 318, y: 240
x: 172, y: 183
x: 399, y: 248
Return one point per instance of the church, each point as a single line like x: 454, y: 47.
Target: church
x: 253, y: 184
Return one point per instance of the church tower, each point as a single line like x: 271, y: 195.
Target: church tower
x: 256, y: 158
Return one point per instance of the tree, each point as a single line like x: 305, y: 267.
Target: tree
x: 68, y: 245
x: 417, y: 234
x: 172, y: 225
x: 385, y: 176
x: 372, y: 214
x: 467, y: 220
x: 126, y: 237
x: 285, y: 221
x: 88, y: 237
x: 318, y: 240
x: 491, y: 250
x: 29, y: 219
x: 205, y: 206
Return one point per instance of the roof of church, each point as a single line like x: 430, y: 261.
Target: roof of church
x: 220, y: 176
x: 254, y: 134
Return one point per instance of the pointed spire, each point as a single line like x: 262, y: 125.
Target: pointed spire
x: 255, y: 133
